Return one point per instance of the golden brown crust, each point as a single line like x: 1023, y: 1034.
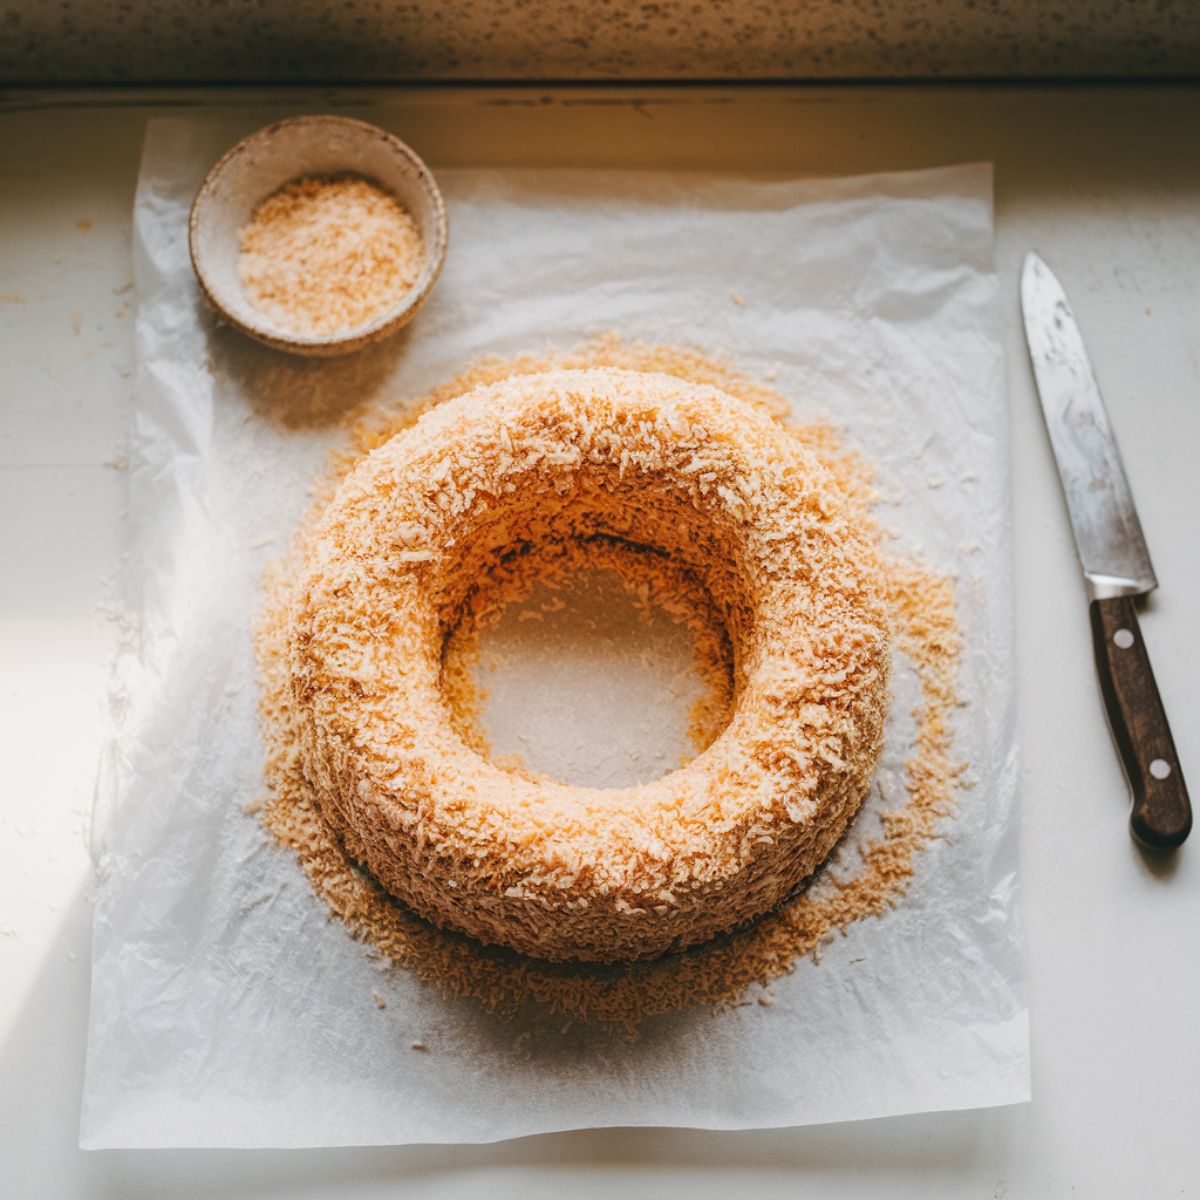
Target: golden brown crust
x: 555, y: 871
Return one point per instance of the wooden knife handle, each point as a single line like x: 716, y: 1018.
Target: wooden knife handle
x: 1162, y: 815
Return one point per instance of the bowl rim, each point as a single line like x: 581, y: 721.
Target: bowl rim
x: 360, y: 335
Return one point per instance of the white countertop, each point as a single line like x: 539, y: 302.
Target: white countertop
x: 1105, y: 182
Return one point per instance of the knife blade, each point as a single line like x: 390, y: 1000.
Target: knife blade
x: 1113, y: 553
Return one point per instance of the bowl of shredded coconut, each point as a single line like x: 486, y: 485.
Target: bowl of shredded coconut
x: 318, y: 235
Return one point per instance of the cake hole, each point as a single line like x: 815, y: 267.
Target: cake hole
x: 1160, y: 768
x: 1122, y: 639
x: 595, y: 679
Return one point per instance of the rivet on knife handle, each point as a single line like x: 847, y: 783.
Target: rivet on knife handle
x: 1162, y: 814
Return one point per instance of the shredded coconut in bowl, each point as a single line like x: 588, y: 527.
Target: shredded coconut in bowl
x: 328, y: 255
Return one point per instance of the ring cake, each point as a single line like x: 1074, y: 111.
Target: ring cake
x: 551, y: 870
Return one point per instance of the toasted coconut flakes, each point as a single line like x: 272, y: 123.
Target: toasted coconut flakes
x: 323, y: 255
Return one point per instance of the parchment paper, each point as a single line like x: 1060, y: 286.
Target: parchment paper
x: 226, y: 1010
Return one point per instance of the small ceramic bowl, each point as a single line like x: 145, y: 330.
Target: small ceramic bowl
x: 274, y: 156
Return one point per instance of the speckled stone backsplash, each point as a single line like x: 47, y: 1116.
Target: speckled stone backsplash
x: 180, y: 41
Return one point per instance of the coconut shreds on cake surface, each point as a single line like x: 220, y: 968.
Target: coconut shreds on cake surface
x: 919, y: 608
x: 325, y: 255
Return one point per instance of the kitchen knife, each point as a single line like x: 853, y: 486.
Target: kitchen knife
x: 1112, y: 551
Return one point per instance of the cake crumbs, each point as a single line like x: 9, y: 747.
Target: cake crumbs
x: 380, y: 1001
x: 327, y: 254
x: 718, y: 973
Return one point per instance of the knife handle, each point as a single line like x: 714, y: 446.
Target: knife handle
x: 1162, y: 815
